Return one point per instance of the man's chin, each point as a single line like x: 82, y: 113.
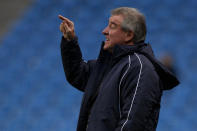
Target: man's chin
x: 107, y: 47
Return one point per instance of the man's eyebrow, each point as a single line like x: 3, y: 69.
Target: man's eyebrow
x: 113, y: 23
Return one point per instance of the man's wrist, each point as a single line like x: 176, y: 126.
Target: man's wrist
x: 68, y: 40
x: 69, y: 36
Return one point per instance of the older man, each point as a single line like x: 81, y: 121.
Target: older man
x: 123, y: 87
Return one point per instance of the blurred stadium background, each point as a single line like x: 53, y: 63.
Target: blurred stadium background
x: 34, y: 95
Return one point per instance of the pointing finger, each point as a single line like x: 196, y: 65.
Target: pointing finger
x: 65, y: 19
x: 61, y: 17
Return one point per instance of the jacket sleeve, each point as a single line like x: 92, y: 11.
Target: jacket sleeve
x: 140, y: 95
x: 76, y: 69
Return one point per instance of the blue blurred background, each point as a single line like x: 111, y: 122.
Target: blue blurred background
x: 34, y: 95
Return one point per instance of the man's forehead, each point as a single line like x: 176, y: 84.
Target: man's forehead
x: 116, y: 18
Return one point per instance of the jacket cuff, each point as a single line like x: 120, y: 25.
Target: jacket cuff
x: 69, y: 43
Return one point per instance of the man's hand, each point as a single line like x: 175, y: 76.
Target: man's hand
x: 67, y: 28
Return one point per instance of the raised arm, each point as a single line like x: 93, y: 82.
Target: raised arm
x: 76, y: 70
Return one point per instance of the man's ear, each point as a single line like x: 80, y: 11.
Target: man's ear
x: 129, y: 36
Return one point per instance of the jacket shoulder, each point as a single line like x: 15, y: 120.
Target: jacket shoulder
x: 139, y: 64
x: 140, y: 60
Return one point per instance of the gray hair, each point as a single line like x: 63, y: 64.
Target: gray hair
x: 133, y: 21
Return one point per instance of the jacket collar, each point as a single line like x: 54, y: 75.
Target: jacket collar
x: 122, y: 50
x: 119, y: 51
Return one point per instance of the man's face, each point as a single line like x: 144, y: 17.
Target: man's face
x: 114, y: 33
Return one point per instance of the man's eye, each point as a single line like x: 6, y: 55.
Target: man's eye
x: 112, y: 26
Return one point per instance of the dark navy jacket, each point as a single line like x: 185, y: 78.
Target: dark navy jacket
x: 122, y: 90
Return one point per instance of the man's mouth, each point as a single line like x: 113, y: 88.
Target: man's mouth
x: 107, y: 39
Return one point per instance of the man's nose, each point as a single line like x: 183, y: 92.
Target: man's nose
x: 105, y: 31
